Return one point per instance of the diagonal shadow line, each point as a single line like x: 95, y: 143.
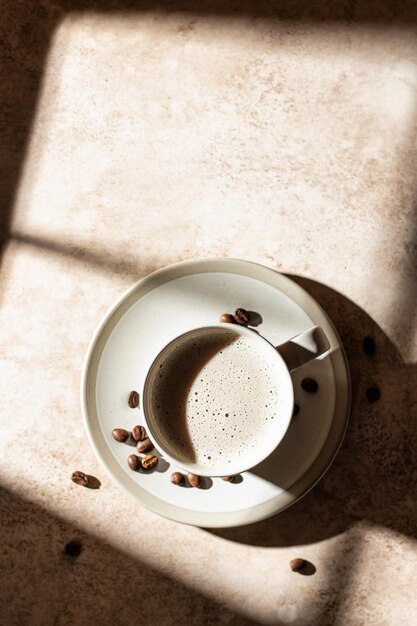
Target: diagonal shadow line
x: 342, y: 569
x: 105, y: 261
x: 25, y: 34
x: 101, y: 586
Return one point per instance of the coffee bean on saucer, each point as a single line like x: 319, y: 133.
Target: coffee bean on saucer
x: 177, y: 478
x: 226, y: 318
x: 133, y: 400
x: 194, y: 480
x: 144, y: 446
x: 297, y: 564
x: 79, y: 478
x: 241, y: 317
x: 120, y: 434
x: 309, y: 385
x: 373, y: 394
x: 229, y: 479
x: 133, y: 462
x: 368, y: 346
x: 149, y: 461
x: 139, y: 433
x: 296, y: 410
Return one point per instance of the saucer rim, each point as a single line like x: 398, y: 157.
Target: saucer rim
x: 341, y: 413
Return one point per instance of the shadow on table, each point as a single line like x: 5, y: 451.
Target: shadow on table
x: 373, y: 477
x: 27, y: 29
x: 56, y: 573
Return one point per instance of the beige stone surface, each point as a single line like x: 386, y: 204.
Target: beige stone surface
x: 134, y: 136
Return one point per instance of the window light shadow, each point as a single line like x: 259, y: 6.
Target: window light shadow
x: 91, y: 582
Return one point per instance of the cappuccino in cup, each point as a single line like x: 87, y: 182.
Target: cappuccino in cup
x: 218, y: 399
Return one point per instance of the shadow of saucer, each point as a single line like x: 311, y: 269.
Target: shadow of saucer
x: 372, y: 477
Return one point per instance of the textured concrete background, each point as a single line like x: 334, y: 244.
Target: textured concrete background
x: 133, y: 136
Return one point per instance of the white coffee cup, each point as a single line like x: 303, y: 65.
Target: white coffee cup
x: 208, y: 360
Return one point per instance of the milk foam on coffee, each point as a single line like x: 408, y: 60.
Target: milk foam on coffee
x: 216, y: 397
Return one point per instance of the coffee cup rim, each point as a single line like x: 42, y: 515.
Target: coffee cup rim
x: 235, y: 469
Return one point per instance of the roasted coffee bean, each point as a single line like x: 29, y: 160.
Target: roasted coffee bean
x: 120, y: 435
x: 309, y: 385
x: 73, y: 548
x: 144, y: 446
x: 368, y: 346
x: 296, y: 410
x: 241, y: 317
x: 79, y: 478
x: 133, y: 462
x: 229, y: 479
x: 226, y: 318
x: 297, y: 564
x: 373, y: 394
x: 149, y: 461
x: 194, y: 480
x: 177, y: 478
x: 139, y: 433
x: 133, y: 400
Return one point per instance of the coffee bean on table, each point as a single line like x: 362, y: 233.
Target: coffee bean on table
x: 79, y: 478
x: 309, y: 385
x: 228, y: 479
x: 133, y: 462
x: 226, y: 318
x: 368, y: 346
x: 144, y: 446
x: 241, y: 316
x: 120, y: 434
x: 73, y: 548
x: 194, y: 480
x: 139, y: 433
x: 149, y: 461
x: 133, y: 400
x: 177, y: 478
x: 297, y: 564
x: 373, y: 394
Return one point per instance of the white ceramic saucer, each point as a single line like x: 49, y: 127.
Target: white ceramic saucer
x: 191, y: 294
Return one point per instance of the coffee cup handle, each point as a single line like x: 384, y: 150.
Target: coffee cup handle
x: 302, y: 348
